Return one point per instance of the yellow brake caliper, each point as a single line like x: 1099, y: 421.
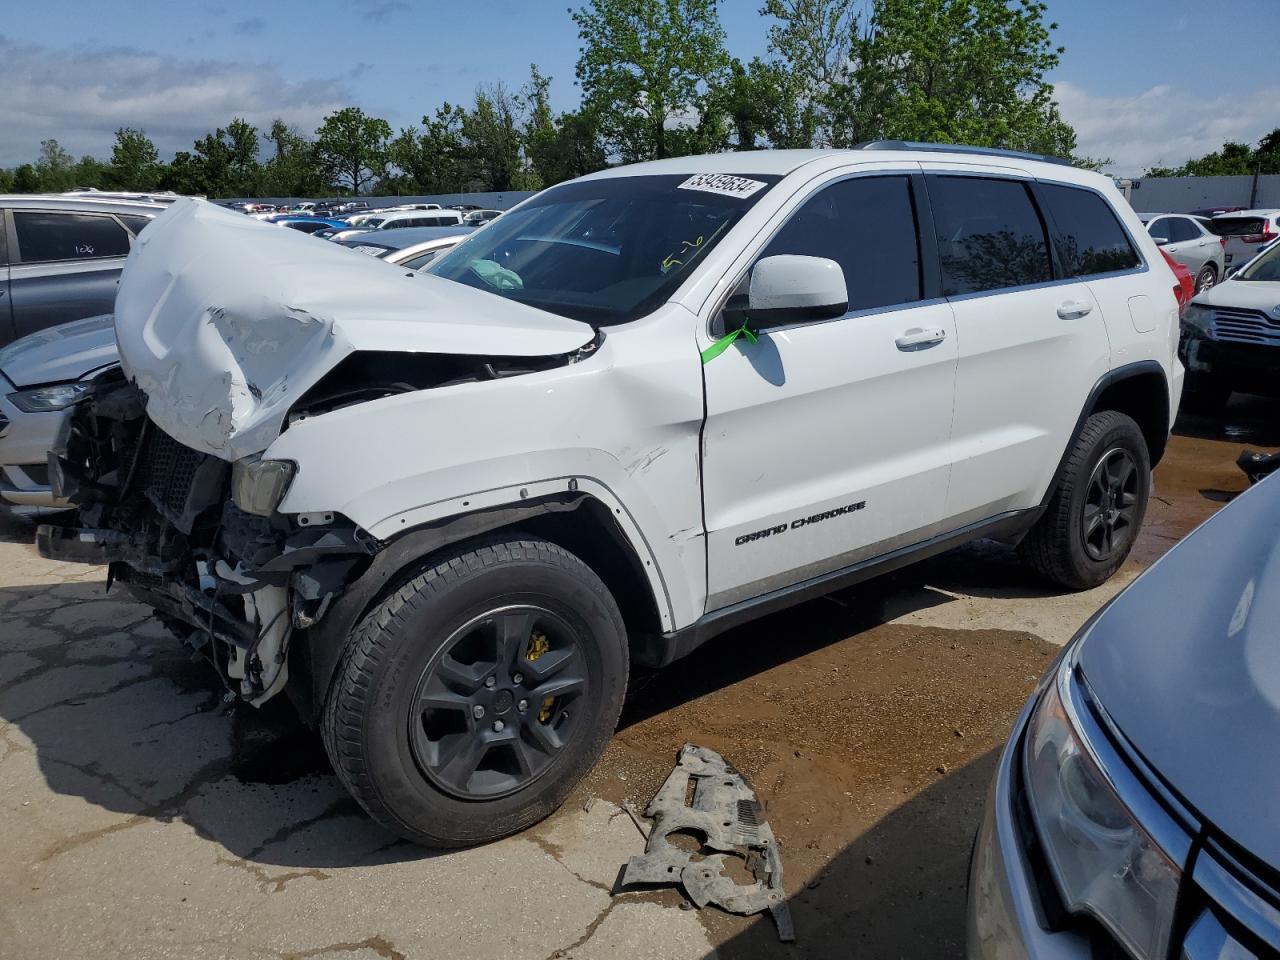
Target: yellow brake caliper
x: 538, y: 645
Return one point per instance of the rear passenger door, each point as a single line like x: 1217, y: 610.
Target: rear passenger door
x: 1188, y: 244
x: 65, y: 266
x: 1032, y: 343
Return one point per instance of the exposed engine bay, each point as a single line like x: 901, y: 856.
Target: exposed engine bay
x: 169, y: 522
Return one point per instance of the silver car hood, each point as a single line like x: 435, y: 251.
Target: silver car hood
x: 66, y: 352
x: 224, y: 322
x: 1261, y: 295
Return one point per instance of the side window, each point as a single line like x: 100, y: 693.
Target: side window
x: 68, y: 236
x: 420, y: 261
x: 1159, y: 228
x: 868, y: 226
x: 1183, y: 229
x: 989, y: 235
x: 134, y: 222
x: 1090, y: 239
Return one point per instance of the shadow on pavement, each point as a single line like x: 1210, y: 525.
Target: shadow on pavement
x: 1246, y: 419
x: 898, y: 891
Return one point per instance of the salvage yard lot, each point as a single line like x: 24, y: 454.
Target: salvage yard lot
x: 141, y: 819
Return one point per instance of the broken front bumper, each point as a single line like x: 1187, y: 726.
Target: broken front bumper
x: 158, y: 515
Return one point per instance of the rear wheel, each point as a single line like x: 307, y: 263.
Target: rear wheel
x: 471, y: 701
x: 1097, y: 507
x: 1206, y: 278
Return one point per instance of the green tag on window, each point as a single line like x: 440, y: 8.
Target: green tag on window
x: 721, y: 345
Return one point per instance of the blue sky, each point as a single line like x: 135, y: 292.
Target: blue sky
x: 1143, y: 82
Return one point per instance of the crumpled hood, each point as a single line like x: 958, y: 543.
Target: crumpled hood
x: 224, y: 322
x: 58, y: 354
x: 1187, y: 663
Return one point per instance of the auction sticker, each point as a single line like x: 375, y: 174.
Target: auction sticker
x: 723, y: 184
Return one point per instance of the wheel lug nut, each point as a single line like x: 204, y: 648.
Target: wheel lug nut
x: 522, y: 706
x: 498, y: 726
x: 477, y: 711
x: 490, y: 681
x: 518, y: 678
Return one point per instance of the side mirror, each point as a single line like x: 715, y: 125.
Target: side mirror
x: 790, y: 289
x: 1160, y: 241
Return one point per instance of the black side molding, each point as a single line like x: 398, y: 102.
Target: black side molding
x: 663, y: 649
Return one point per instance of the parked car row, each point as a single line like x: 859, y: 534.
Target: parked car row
x: 1212, y: 246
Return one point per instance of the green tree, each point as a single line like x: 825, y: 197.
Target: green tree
x: 90, y: 172
x: 55, y: 167
x: 432, y: 159
x: 293, y: 169
x: 959, y: 71
x: 647, y: 68
x: 226, y: 161
x: 1233, y: 159
x: 135, y: 163
x: 26, y: 179
x: 352, y: 147
x: 812, y: 42
x: 492, y: 132
x: 765, y: 106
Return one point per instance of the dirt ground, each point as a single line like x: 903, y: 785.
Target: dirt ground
x: 139, y: 817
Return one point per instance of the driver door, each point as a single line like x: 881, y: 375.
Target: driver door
x: 827, y: 442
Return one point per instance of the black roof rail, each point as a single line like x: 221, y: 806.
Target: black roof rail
x: 958, y: 148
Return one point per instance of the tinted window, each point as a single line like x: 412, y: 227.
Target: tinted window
x: 1090, y: 238
x: 1237, y: 226
x: 68, y: 236
x: 1159, y: 228
x: 134, y: 223
x: 868, y: 226
x: 989, y: 235
x: 1182, y: 230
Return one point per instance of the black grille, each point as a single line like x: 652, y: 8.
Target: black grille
x: 1245, y: 326
x: 180, y: 482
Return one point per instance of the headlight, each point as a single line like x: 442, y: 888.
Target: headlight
x: 1104, y: 863
x: 1194, y: 315
x: 258, y: 486
x: 47, y: 399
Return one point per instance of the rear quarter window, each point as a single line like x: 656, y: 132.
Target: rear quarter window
x: 46, y: 236
x: 135, y: 223
x: 1088, y: 234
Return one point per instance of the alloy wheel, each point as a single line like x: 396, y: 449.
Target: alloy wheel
x: 495, y: 706
x: 1109, y: 519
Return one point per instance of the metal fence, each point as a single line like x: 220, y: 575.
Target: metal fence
x: 1184, y: 194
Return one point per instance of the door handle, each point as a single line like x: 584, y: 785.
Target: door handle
x: 918, y: 339
x: 1074, y: 309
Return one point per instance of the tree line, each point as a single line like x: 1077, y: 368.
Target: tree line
x: 1234, y: 159
x: 656, y: 81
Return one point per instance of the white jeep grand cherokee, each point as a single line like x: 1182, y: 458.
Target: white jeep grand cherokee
x: 446, y: 512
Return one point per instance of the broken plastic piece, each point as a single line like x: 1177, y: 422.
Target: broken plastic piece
x: 707, y: 799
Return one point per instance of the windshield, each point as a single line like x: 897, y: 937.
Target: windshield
x: 1237, y: 226
x: 603, y: 251
x: 1265, y: 266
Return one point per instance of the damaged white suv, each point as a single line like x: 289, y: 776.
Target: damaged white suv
x: 446, y: 512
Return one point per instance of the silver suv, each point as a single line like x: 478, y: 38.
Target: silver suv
x: 1191, y: 242
x: 61, y: 256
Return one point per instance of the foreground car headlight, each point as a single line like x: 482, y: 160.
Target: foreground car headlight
x: 1103, y: 862
x: 1194, y: 315
x: 258, y: 486
x: 47, y: 399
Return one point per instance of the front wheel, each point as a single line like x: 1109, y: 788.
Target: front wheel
x: 1206, y: 278
x: 472, y: 699
x: 1097, y: 507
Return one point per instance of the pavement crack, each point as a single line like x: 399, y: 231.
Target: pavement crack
x: 81, y: 699
x: 590, y: 932
x: 343, y: 805
x: 76, y: 840
x: 378, y: 944
x: 272, y: 883
x: 553, y: 851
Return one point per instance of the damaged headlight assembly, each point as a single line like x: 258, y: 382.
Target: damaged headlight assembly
x: 59, y: 396
x: 1104, y: 863
x: 258, y: 486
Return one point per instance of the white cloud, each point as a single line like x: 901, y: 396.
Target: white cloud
x: 1163, y: 126
x: 80, y: 97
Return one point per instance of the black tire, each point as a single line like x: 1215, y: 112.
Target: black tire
x: 1205, y: 394
x: 1206, y: 278
x: 414, y: 644
x: 1067, y: 546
